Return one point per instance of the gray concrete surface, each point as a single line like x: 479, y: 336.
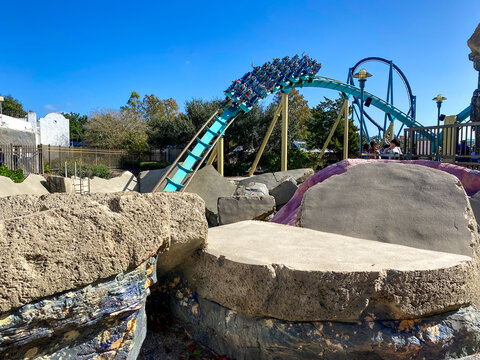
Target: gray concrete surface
x: 394, y: 203
x: 290, y: 273
x: 31, y: 185
x: 238, y: 208
x: 210, y: 186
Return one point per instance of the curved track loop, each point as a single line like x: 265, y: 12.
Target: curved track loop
x: 222, y: 121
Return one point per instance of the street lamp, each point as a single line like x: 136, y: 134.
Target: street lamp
x: 439, y: 99
x: 1, y: 100
x: 362, y: 76
x: 100, y: 140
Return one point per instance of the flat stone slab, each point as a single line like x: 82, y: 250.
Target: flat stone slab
x: 394, y: 203
x: 272, y: 180
x: 31, y: 185
x: 295, y: 274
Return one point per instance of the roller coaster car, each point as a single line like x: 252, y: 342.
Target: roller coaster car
x: 245, y: 108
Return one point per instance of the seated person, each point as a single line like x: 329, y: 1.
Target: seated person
x: 394, y: 148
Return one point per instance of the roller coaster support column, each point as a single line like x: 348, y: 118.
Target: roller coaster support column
x: 265, y: 140
x: 362, y: 76
x: 220, y: 157
x: 345, y: 130
x: 284, y: 159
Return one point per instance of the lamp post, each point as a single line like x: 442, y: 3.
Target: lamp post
x: 100, y: 140
x: 439, y: 99
x: 362, y: 76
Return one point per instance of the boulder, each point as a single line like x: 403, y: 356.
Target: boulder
x: 444, y: 336
x: 394, y: 203
x: 59, y: 242
x: 210, y: 186
x: 272, y: 180
x: 188, y: 229
x: 474, y: 42
x: 149, y: 179
x: 238, y: 208
x: 33, y: 184
x: 104, y: 320
x: 269, y: 270
x: 475, y: 203
x: 252, y: 189
x: 284, y: 191
x: 125, y: 182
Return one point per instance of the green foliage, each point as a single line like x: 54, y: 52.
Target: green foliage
x: 15, y: 175
x: 198, y: 110
x: 163, y: 132
x: 151, y: 106
x: 297, y: 159
x: 86, y: 170
x: 77, y: 123
x: 12, y: 107
x: 47, y: 169
x: 153, y: 165
x: 321, y: 122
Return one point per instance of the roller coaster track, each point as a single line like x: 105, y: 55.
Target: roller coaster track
x: 212, y: 133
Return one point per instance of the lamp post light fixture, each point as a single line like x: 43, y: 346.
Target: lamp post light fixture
x: 362, y: 76
x: 439, y: 99
x: 100, y: 140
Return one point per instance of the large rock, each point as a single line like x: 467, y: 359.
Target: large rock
x: 284, y: 191
x: 210, y: 186
x: 188, y: 229
x: 447, y: 336
x: 59, y: 242
x: 272, y: 180
x: 104, y: 320
x: 125, y: 182
x: 394, y: 203
x: 289, y: 273
x: 238, y: 208
x: 148, y: 179
x: 33, y: 184
x: 474, y: 42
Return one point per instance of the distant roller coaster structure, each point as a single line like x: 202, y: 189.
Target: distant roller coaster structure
x: 279, y: 75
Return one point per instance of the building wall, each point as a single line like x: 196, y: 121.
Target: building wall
x: 16, y: 137
x: 54, y: 130
x: 15, y: 123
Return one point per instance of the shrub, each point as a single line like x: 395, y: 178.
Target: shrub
x: 152, y: 165
x: 15, y: 175
x: 86, y: 170
x: 100, y: 171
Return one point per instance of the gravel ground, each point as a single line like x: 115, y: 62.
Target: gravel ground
x: 166, y: 338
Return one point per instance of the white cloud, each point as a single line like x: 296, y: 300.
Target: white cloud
x: 50, y: 107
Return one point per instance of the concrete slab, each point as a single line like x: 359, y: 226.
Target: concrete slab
x: 238, y: 208
x: 296, y: 274
x: 394, y: 203
x: 31, y: 185
x: 210, y: 186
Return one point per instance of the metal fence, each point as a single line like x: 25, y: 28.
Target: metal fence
x: 455, y: 143
x: 25, y: 157
x: 34, y: 159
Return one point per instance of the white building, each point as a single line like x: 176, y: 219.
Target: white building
x: 53, y: 129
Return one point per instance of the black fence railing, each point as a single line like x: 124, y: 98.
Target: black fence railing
x: 25, y: 157
x: 455, y: 143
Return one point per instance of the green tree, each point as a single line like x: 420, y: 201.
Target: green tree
x: 198, y: 110
x: 77, y: 123
x: 165, y: 131
x: 112, y: 129
x: 151, y: 106
x: 321, y: 122
x: 12, y: 107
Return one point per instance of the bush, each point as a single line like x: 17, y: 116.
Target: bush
x: 86, y: 170
x: 153, y: 165
x: 15, y: 175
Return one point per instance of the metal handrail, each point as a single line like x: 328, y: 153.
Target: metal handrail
x: 183, y: 152
x: 200, y: 162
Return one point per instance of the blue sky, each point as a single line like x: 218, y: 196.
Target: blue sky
x: 88, y: 55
